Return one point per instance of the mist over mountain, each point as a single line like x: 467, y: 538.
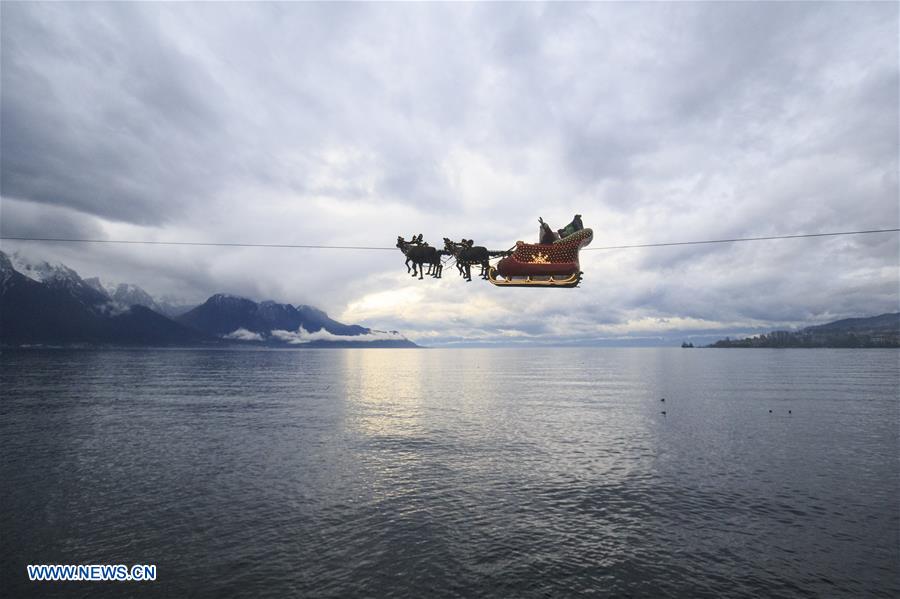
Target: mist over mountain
x: 222, y: 314
x: 240, y: 319
x: 51, y: 304
x: 127, y: 294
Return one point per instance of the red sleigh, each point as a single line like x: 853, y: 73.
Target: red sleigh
x: 542, y: 265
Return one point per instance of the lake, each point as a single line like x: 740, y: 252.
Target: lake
x: 454, y: 472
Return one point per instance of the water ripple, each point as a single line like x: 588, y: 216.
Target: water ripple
x: 455, y: 473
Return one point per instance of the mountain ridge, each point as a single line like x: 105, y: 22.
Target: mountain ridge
x: 53, y: 305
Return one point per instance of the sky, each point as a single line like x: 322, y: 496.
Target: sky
x: 353, y: 123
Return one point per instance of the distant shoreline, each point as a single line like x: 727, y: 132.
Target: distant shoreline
x: 881, y: 331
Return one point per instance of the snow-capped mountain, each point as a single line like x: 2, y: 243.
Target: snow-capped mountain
x: 54, y: 305
x: 130, y: 295
x: 42, y: 271
x: 96, y: 284
x: 113, y: 297
x: 61, y: 278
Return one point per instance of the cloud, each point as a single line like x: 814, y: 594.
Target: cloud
x: 28, y: 219
x: 301, y: 336
x: 349, y: 124
x: 243, y: 334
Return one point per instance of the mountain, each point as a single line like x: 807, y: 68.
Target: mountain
x: 53, y: 305
x: 46, y: 304
x: 223, y: 314
x: 242, y: 320
x: 874, y: 331
x: 317, y: 319
x: 884, y: 323
x: 126, y: 294
x: 57, y: 277
x: 140, y: 325
x: 92, y: 291
x: 33, y: 312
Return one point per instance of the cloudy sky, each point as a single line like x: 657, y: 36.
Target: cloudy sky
x: 350, y: 124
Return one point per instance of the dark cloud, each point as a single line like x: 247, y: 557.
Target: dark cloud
x: 102, y: 114
x: 27, y: 219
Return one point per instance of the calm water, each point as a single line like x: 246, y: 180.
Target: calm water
x: 455, y: 473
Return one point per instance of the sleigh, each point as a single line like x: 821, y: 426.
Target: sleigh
x: 542, y: 265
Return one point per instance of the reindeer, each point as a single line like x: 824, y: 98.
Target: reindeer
x: 420, y: 253
x: 467, y: 254
x: 432, y: 259
x: 404, y: 247
x: 435, y: 265
x: 452, y: 248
